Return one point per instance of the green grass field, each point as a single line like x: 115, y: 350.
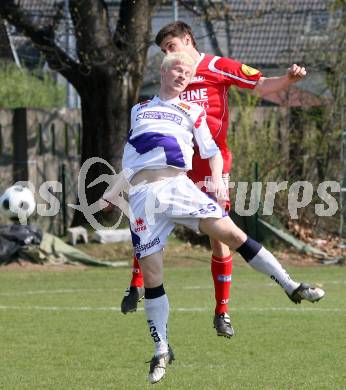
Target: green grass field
x: 63, y: 330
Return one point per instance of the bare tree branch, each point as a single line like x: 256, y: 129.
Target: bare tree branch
x: 93, y: 37
x: 43, y: 38
x: 208, y: 22
x: 228, y: 18
x: 190, y: 7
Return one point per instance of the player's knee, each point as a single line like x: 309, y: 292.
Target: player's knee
x: 152, y: 279
x: 232, y: 235
x: 152, y: 275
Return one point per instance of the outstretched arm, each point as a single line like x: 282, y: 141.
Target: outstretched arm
x: 266, y: 85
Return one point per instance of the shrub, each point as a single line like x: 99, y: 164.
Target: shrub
x: 21, y: 88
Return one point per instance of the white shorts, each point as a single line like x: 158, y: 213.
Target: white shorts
x: 156, y: 207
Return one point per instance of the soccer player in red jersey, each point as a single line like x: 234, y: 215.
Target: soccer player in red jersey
x: 209, y: 88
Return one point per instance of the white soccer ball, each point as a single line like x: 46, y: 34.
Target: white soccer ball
x: 17, y: 202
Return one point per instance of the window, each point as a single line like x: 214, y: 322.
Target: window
x: 318, y: 23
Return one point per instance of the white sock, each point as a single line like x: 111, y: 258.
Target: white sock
x: 265, y: 262
x: 157, y: 311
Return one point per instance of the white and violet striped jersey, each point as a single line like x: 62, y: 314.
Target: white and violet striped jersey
x: 163, y: 134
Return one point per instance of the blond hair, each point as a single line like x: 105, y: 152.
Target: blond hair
x: 178, y: 57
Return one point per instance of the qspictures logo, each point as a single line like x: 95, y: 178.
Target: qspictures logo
x: 249, y: 198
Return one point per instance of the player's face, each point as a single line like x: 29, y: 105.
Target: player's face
x: 173, y: 44
x: 176, y: 78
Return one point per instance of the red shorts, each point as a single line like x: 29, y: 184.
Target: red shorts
x: 201, y: 173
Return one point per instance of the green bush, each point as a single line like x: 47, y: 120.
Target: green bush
x: 20, y: 88
x: 252, y: 140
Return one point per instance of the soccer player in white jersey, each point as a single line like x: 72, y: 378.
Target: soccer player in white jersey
x: 214, y: 76
x: 157, y: 156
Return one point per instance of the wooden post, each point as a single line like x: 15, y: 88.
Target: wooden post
x: 20, y: 145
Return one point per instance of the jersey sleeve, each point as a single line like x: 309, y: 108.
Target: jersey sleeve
x: 204, y: 140
x: 234, y: 72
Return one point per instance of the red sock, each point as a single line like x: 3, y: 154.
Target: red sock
x: 137, y: 277
x: 221, y: 269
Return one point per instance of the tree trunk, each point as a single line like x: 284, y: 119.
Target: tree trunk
x: 106, y: 122
x: 107, y: 75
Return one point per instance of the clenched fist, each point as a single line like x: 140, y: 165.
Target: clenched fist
x: 296, y: 73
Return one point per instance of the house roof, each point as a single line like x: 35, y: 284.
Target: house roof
x: 43, y: 7
x: 264, y: 33
x: 276, y: 33
x: 295, y: 97
x: 267, y: 34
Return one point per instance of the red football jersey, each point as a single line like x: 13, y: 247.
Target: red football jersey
x: 209, y: 88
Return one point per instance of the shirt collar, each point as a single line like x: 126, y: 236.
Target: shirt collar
x: 169, y: 101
